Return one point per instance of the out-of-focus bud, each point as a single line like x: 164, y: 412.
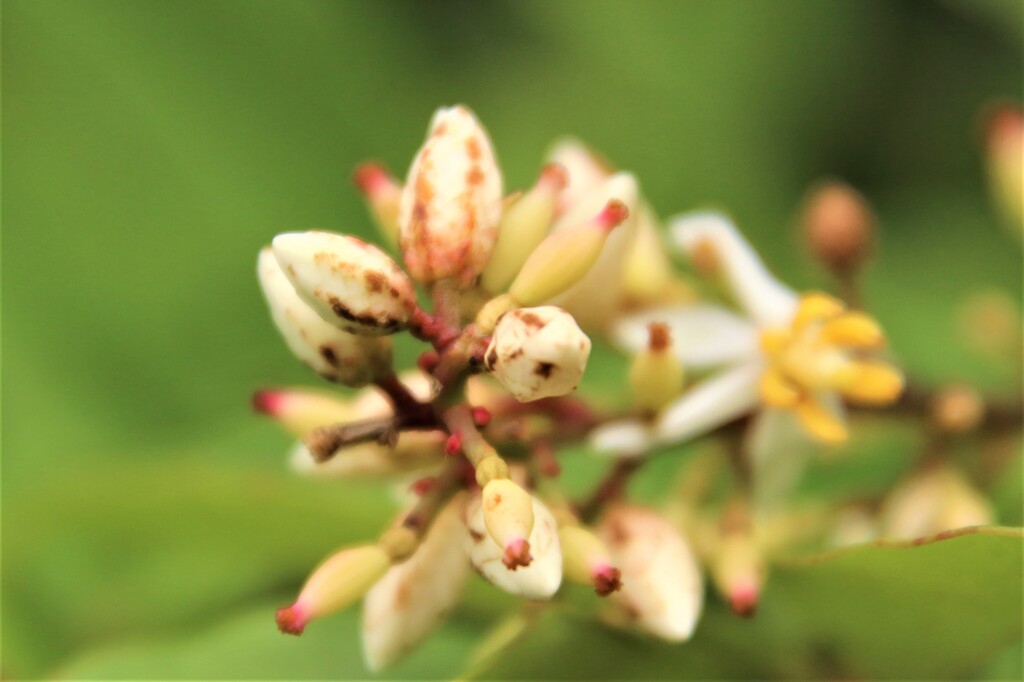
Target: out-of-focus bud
x: 932, y: 501
x: 1004, y: 137
x: 522, y: 228
x: 853, y: 526
x: 452, y: 201
x: 958, y: 409
x: 508, y: 515
x: 337, y: 582
x: 330, y: 352
x: 662, y: 589
x: 539, y: 580
x: 413, y: 597
x: 587, y: 561
x: 300, y: 410
x: 647, y: 272
x: 990, y: 322
x: 352, y: 284
x: 738, y: 568
x: 537, y: 353
x: 838, y: 226
x: 382, y: 193
x: 656, y: 375
x: 584, y: 167
x: 565, y: 256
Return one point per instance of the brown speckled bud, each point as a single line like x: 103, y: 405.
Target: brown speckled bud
x: 538, y: 353
x: 452, y: 201
x: 330, y: 352
x: 351, y: 284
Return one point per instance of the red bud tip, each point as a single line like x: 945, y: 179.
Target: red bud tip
x: 372, y: 179
x: 517, y: 553
x: 428, y: 360
x: 481, y: 416
x: 291, y: 620
x: 660, y: 338
x: 612, y: 215
x: 743, y: 600
x: 267, y: 402
x: 454, y: 445
x: 607, y: 579
x: 423, y: 485
x: 554, y: 177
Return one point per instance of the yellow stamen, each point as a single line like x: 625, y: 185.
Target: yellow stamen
x: 774, y: 341
x: 816, y: 307
x: 777, y: 391
x: 855, y: 330
x: 874, y: 383
x: 821, y: 423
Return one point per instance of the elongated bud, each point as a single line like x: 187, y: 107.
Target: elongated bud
x: 542, y: 578
x: 522, y: 228
x: 656, y: 375
x: 508, y: 514
x: 737, y: 566
x: 452, y: 201
x: 351, y: 284
x: 932, y: 501
x: 337, y: 582
x: 838, y: 226
x: 586, y: 560
x: 1004, y: 139
x: 662, y: 589
x: 301, y: 410
x: 330, y: 352
x: 647, y: 272
x: 565, y: 257
x: 537, y: 353
x: 382, y: 193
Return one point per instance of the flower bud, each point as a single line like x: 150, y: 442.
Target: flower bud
x: 838, y: 226
x: 647, y: 272
x: 656, y: 375
x: 332, y: 353
x: 586, y: 560
x: 989, y: 322
x: 584, y: 167
x: 301, y: 410
x: 382, y: 192
x: 1005, y: 159
x: 932, y: 501
x: 662, y: 589
x: 565, y: 256
x: 336, y: 583
x: 537, y: 353
x: 522, y: 228
x: 508, y: 514
x: 737, y: 565
x: 349, y: 283
x: 452, y: 201
x: 957, y: 409
x: 542, y: 578
x: 405, y: 606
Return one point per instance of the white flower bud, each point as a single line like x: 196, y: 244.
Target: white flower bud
x: 542, y: 578
x: 349, y: 283
x: 330, y: 352
x: 537, y: 353
x: 452, y: 201
x: 932, y: 501
x: 508, y: 515
x: 413, y: 597
x: 662, y: 588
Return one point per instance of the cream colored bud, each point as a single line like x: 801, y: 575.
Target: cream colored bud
x: 585, y: 169
x: 647, y: 272
x: 508, y: 514
x: 452, y: 201
x: 958, y: 409
x: 337, y: 582
x: 300, y: 410
x: 586, y: 560
x: 330, y: 352
x: 662, y: 588
x: 522, y: 228
x: 656, y: 375
x: 413, y: 597
x: 382, y: 193
x: 351, y: 284
x: 542, y: 578
x: 537, y: 353
x: 933, y: 501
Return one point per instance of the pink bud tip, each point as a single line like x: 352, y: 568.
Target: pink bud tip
x: 612, y: 215
x: 743, y: 600
x: 607, y: 579
x: 291, y: 620
x: 372, y: 179
x: 554, y: 177
x: 481, y: 416
x: 423, y: 485
x: 428, y: 360
x: 267, y: 402
x: 517, y: 553
x: 454, y: 445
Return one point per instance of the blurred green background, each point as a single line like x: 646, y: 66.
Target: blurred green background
x: 151, y: 148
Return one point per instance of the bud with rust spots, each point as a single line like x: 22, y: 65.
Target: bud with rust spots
x: 587, y: 561
x: 839, y: 227
x: 452, y: 201
x: 332, y: 353
x: 537, y: 353
x: 351, y: 284
x: 382, y: 193
x: 656, y: 375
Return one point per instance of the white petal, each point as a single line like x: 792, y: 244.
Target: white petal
x: 624, y: 438
x: 764, y: 298
x: 779, y: 450
x: 702, y: 335
x: 716, y: 401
